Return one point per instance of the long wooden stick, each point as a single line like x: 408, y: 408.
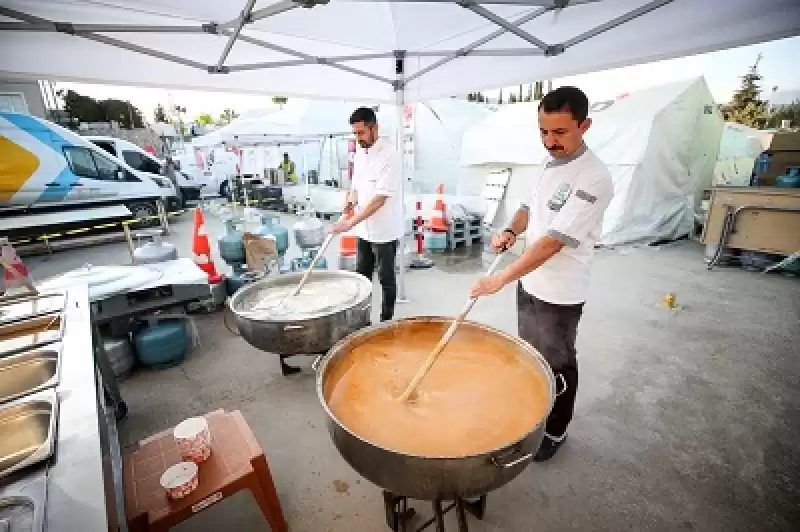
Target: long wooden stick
x: 319, y: 254
x: 423, y: 371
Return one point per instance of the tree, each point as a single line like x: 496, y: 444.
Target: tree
x: 280, y: 101
x: 228, y: 116
x: 790, y: 112
x: 746, y: 106
x: 500, y: 97
x: 160, y: 115
x: 538, y: 90
x: 204, y: 119
x: 87, y: 109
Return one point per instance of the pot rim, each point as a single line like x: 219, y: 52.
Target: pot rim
x: 528, y: 348
x: 299, y: 275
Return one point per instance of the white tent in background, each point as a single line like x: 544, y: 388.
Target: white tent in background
x: 315, y: 135
x: 738, y: 149
x: 660, y: 145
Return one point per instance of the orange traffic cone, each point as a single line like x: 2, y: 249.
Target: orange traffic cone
x: 201, y: 249
x: 14, y: 271
x: 347, y: 242
x: 438, y: 220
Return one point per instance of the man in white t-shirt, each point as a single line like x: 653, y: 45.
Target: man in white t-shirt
x: 562, y: 222
x: 375, y: 199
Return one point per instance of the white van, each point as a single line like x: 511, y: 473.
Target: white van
x: 45, y: 166
x: 136, y: 157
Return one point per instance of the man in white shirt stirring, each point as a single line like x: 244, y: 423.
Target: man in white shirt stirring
x: 375, y: 198
x: 562, y: 223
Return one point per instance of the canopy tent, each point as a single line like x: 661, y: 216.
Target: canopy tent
x: 391, y: 50
x: 304, y: 119
x: 365, y: 49
x: 432, y: 134
x: 660, y: 145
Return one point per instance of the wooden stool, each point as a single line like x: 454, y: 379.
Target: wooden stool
x: 236, y: 463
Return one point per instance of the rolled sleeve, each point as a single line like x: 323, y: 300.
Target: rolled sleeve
x: 387, y: 182
x: 582, y: 212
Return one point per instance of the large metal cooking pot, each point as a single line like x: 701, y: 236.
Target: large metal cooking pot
x: 431, y: 478
x: 306, y: 336
x: 309, y: 233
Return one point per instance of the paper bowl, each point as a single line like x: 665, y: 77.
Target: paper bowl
x: 194, y: 439
x: 180, y: 480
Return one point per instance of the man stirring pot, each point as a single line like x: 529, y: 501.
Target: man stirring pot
x: 375, y: 199
x: 562, y: 223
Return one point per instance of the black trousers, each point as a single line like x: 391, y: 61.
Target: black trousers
x: 552, y: 329
x: 370, y: 255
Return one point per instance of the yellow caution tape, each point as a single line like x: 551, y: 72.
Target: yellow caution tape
x: 123, y: 223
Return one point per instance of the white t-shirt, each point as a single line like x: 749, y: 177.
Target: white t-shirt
x: 376, y: 173
x: 567, y: 203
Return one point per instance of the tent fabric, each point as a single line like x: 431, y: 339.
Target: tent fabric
x: 660, y: 145
x: 325, y: 50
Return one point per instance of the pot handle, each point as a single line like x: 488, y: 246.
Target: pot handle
x: 524, y: 458
x: 317, y: 362
x: 560, y: 377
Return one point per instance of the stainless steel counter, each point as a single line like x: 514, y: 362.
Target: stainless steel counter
x: 76, y: 487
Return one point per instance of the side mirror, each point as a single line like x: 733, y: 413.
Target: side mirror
x: 121, y: 175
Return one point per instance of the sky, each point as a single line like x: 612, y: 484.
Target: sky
x: 722, y: 71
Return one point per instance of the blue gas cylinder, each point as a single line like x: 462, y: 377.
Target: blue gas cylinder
x: 162, y: 343
x: 762, y: 163
x: 270, y: 226
x: 231, y: 246
x: 791, y: 179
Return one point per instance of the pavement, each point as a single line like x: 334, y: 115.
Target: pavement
x: 686, y: 418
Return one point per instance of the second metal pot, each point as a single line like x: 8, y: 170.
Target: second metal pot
x: 307, y: 336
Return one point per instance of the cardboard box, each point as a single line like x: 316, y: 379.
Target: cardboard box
x: 785, y: 141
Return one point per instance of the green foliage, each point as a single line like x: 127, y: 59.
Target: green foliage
x: 160, y: 114
x: 746, y: 106
x: 87, y: 109
x: 204, y: 119
x: 228, y: 116
x: 280, y: 100
x: 789, y: 112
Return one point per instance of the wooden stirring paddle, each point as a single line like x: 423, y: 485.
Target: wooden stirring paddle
x: 445, y: 339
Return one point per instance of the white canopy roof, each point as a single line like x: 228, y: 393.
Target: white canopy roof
x: 341, y: 49
x: 300, y: 120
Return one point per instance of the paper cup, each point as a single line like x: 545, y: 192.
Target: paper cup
x: 193, y: 439
x: 180, y: 480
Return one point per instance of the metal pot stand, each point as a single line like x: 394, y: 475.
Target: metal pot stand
x: 399, y: 515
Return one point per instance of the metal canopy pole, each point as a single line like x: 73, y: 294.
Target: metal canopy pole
x: 400, y: 100
x: 237, y: 28
x: 503, y: 23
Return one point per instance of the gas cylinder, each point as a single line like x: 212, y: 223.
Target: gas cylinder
x: 154, y: 251
x: 791, y: 179
x: 231, y: 246
x: 162, y: 343
x: 270, y: 226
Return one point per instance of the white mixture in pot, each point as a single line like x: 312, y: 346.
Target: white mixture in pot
x: 318, y: 297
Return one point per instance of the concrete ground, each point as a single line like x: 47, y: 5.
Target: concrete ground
x: 686, y: 419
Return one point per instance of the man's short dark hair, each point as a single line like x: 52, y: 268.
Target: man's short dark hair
x: 566, y: 99
x: 363, y: 114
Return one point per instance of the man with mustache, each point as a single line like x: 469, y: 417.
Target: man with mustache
x: 562, y: 223
x: 375, y: 199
